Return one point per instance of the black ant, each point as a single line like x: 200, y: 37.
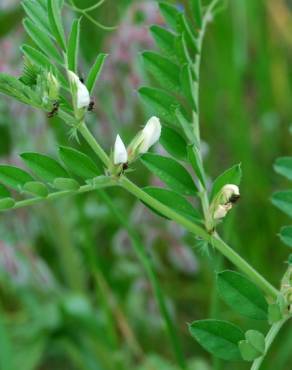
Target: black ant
x: 91, y: 105
x: 234, y: 198
x: 55, y: 109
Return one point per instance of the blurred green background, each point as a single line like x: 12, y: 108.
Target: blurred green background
x: 73, y: 294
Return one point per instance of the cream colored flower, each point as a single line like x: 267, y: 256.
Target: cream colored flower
x: 224, y: 201
x: 149, y: 135
x: 81, y: 91
x: 229, y: 191
x: 120, y: 152
x: 221, y: 211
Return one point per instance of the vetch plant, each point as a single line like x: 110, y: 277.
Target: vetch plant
x: 50, y: 82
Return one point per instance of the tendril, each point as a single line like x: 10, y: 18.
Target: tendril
x: 85, y: 12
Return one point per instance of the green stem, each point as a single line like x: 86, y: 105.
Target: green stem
x: 214, y: 240
x: 99, y: 183
x: 149, y: 268
x: 89, y: 9
x: 94, y: 144
x: 196, y: 115
x: 85, y: 12
x: 273, y: 332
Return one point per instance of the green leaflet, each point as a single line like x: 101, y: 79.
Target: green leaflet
x: 230, y: 176
x: 160, y: 103
x: 170, y: 14
x: 95, y: 72
x: 73, y: 46
x: 286, y: 235
x: 54, y: 14
x: 248, y: 352
x: 42, y: 40
x: 164, y: 39
x: 220, y: 338
x: 36, y: 188
x: 173, y: 174
x: 14, y: 177
x: 283, y: 166
x: 65, y: 184
x: 174, y: 143
x: 175, y: 202
x: 185, y: 30
x: 78, y: 163
x: 253, y: 346
x: 242, y: 295
x: 6, y: 203
x: 37, y: 14
x: 188, y: 85
x: 283, y: 201
x: 43, y: 166
x: 163, y: 70
x: 197, y: 12
x: 11, y: 86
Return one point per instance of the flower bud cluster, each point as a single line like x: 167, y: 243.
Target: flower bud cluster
x: 143, y: 141
x: 53, y: 87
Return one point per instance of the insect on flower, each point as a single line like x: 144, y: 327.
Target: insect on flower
x: 91, y: 105
x: 226, y: 198
x: 55, y: 109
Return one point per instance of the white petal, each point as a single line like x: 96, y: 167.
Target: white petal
x: 221, y: 211
x: 83, y: 97
x: 150, y: 134
x: 231, y: 188
x: 120, y: 151
x: 228, y: 191
x: 73, y: 78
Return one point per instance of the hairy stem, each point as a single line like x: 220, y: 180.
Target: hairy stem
x: 83, y: 129
x: 214, y: 240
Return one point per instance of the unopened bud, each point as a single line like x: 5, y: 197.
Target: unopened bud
x: 229, y: 193
x: 145, y: 138
x: 120, y: 152
x: 224, y: 200
x: 150, y: 134
x: 53, y: 86
x: 221, y: 211
x: 79, y: 91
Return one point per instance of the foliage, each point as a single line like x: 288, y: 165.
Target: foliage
x: 84, y: 310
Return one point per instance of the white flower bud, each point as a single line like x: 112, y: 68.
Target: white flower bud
x: 82, y: 94
x: 224, y: 201
x: 150, y: 134
x: 228, y: 192
x: 120, y: 152
x: 221, y: 211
